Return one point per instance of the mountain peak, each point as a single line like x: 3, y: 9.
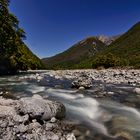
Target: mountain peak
x: 107, y: 39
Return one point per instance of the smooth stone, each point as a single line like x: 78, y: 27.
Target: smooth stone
x: 137, y: 90
x: 53, y: 120
x: 81, y: 88
x: 70, y: 137
x: 110, y: 93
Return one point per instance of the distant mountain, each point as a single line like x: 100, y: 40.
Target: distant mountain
x: 101, y: 51
x: 107, y: 40
x: 126, y: 47
x: 70, y: 58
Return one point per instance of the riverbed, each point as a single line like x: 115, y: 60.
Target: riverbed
x: 109, y: 108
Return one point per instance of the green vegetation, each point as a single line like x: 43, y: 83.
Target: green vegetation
x: 123, y: 52
x: 14, y: 54
x: 107, y: 61
x: 72, y: 58
x: 126, y: 48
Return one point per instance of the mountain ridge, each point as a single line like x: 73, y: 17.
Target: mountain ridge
x: 121, y: 50
x: 83, y: 49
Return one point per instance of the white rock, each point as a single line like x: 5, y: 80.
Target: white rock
x: 53, y: 119
x: 110, y: 93
x: 81, y: 88
x: 137, y: 90
x: 70, y: 137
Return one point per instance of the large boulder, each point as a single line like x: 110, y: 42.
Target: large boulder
x: 27, y: 119
x: 38, y: 108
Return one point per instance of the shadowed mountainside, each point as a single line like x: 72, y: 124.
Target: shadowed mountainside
x: 74, y: 55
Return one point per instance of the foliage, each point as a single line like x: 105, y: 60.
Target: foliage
x: 14, y: 55
x: 107, y: 61
x: 127, y: 47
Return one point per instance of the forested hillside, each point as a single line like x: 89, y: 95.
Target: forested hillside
x: 14, y: 54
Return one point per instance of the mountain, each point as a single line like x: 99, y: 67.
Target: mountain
x: 107, y: 39
x: 101, y: 51
x: 125, y: 49
x: 70, y: 58
x: 14, y: 54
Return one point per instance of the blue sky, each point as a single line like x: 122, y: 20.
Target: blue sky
x: 52, y: 26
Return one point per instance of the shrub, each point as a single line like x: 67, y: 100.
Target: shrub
x: 107, y: 61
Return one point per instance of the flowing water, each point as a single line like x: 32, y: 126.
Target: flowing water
x: 103, y: 115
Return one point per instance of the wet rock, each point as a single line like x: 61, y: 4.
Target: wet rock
x: 59, y: 86
x: 110, y: 93
x: 137, y: 90
x: 82, y: 83
x: 76, y: 133
x: 8, y: 95
x: 81, y: 88
x: 123, y: 135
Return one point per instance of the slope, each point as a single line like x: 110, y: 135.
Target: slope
x: 14, y: 54
x: 74, y: 55
x: 126, y: 48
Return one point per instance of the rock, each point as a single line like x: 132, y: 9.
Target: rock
x: 19, y: 119
x: 1, y: 93
x: 22, y: 128
x: 110, y: 93
x: 36, y: 96
x: 81, y: 88
x: 8, y: 95
x: 137, y: 90
x: 82, y: 82
x: 50, y: 126
x: 53, y: 120
x: 3, y: 124
x: 38, y: 108
x: 70, y: 137
x: 123, y: 135
x: 7, y: 111
x: 34, y: 126
x: 44, y: 137
x: 51, y: 136
x: 7, y: 102
x: 76, y: 133
x: 59, y: 86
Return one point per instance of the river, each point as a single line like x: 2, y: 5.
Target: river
x: 109, y: 116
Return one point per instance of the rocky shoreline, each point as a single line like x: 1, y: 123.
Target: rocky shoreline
x: 33, y: 118
x: 116, y: 76
x: 41, y: 118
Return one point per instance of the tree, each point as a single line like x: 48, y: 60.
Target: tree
x: 12, y: 48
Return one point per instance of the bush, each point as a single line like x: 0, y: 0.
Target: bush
x: 107, y: 61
